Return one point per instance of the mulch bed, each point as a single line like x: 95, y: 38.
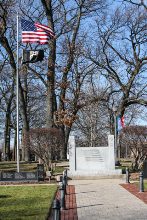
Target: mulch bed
x: 132, y: 188
x: 70, y: 212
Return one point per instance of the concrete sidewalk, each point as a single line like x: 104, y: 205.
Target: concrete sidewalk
x: 106, y: 199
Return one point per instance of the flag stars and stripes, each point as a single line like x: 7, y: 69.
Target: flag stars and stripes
x: 27, y: 26
x: 35, y: 32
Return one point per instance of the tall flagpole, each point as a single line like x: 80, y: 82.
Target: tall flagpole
x: 17, y: 93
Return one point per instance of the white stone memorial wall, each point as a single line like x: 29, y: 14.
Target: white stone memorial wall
x: 92, y: 160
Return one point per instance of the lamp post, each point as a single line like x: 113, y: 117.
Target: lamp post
x: 115, y: 132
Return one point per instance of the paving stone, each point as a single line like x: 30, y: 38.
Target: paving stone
x: 103, y: 199
x: 107, y: 199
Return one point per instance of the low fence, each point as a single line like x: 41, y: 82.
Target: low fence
x: 141, y: 179
x: 59, y: 203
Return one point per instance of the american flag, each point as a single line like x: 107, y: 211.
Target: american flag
x: 120, y: 123
x: 35, y: 32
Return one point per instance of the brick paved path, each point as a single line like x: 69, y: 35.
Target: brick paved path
x: 70, y: 213
x: 106, y: 199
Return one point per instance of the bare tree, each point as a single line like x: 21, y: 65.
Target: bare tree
x: 66, y: 19
x: 8, y: 43
x: 7, y: 106
x: 137, y: 2
x: 135, y: 138
x: 121, y: 57
x: 92, y: 125
x: 45, y: 143
x: 8, y: 52
x: 67, y: 72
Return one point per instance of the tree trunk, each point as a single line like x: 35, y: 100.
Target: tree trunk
x: 23, y: 107
x: 14, y: 147
x: 51, y: 100
x: 51, y: 105
x: 7, y: 136
x: 135, y: 164
x: 66, y: 132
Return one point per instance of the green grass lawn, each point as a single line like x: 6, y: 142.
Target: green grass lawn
x: 145, y: 184
x: 126, y: 162
x: 26, y: 202
x: 12, y: 166
x: 58, y: 170
x: 24, y: 166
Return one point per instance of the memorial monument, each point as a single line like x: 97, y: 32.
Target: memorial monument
x: 9, y: 176
x: 92, y: 161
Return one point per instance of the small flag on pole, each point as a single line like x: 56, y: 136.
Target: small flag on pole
x: 120, y: 123
x: 35, y: 32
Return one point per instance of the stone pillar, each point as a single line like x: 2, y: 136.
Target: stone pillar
x: 72, y: 154
x: 111, y: 152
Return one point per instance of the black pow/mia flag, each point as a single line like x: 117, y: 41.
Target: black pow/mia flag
x: 32, y: 56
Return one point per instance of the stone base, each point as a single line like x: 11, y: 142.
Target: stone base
x: 121, y: 176
x: 80, y: 174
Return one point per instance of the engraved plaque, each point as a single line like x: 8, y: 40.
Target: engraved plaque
x: 19, y: 176
x: 31, y: 175
x: 92, y: 155
x: 7, y: 176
